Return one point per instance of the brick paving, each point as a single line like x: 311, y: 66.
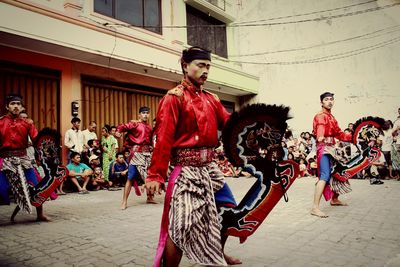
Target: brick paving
x: 91, y: 230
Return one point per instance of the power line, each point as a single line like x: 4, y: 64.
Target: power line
x: 310, y: 13
x: 395, y: 29
x: 359, y: 12
x: 326, y: 58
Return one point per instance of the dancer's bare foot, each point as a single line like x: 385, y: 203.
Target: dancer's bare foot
x: 338, y: 203
x: 124, y: 206
x: 232, y: 260
x: 318, y: 213
x: 43, y: 218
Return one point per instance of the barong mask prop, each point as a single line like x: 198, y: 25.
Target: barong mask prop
x: 366, y: 131
x: 47, y: 147
x: 252, y: 140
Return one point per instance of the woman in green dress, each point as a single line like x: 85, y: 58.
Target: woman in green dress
x: 108, y: 143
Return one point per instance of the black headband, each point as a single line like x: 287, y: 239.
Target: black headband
x: 188, y: 55
x: 326, y: 94
x: 13, y: 97
x: 144, y: 109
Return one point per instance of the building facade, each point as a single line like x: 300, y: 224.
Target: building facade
x: 111, y: 57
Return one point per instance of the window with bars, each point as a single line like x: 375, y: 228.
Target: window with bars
x: 206, y: 31
x: 141, y: 13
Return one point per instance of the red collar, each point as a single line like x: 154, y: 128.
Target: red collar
x: 191, y: 87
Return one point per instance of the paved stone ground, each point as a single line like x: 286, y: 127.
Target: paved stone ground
x: 90, y: 230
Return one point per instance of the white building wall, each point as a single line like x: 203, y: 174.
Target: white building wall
x: 364, y: 74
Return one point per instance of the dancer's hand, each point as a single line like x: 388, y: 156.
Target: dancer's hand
x: 153, y: 187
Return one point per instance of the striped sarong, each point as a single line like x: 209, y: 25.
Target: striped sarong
x: 193, y: 217
x: 13, y: 168
x: 142, y: 161
x: 190, y: 214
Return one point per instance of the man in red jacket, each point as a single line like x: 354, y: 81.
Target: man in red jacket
x: 188, y: 120
x: 138, y: 142
x: 326, y: 129
x: 16, y: 167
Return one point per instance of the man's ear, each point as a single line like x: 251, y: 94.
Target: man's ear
x: 184, y: 66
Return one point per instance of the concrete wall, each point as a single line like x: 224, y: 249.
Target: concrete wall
x: 364, y: 74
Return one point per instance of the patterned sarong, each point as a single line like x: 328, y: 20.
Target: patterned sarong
x: 13, y: 168
x: 193, y: 219
x: 335, y: 185
x: 142, y: 161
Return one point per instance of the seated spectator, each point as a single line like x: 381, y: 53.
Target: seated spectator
x: 313, y: 168
x: 303, y: 168
x: 118, y: 170
x: 94, y: 161
x: 98, y: 179
x: 79, y: 173
x: 93, y: 149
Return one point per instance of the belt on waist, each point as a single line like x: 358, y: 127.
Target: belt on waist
x: 13, y: 153
x: 328, y: 140
x: 141, y: 148
x: 196, y: 157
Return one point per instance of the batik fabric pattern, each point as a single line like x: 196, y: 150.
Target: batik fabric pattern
x: 142, y: 161
x: 193, y: 218
x: 14, y: 169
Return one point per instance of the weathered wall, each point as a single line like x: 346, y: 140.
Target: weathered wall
x: 359, y: 54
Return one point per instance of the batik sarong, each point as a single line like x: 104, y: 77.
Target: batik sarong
x: 192, y: 222
x: 193, y: 218
x: 142, y: 161
x: 15, y: 169
x: 335, y: 185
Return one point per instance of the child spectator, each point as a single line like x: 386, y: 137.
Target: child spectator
x: 312, y: 167
x: 113, y: 131
x: 127, y: 155
x: 303, y: 168
x: 98, y: 179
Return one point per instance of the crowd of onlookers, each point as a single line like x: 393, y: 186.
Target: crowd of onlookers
x: 303, y: 151
x: 98, y: 163
x: 94, y: 163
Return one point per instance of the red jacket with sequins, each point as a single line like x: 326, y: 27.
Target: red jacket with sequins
x: 138, y: 133
x: 187, y: 117
x: 325, y: 125
x: 14, y: 133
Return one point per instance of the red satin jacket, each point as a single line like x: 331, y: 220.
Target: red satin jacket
x: 326, y: 125
x: 14, y: 133
x: 139, y: 133
x: 187, y: 117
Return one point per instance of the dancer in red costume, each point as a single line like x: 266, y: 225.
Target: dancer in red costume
x: 186, y: 134
x: 16, y: 168
x: 326, y: 129
x: 138, y: 142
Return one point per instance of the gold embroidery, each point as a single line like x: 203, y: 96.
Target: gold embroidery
x: 178, y: 91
